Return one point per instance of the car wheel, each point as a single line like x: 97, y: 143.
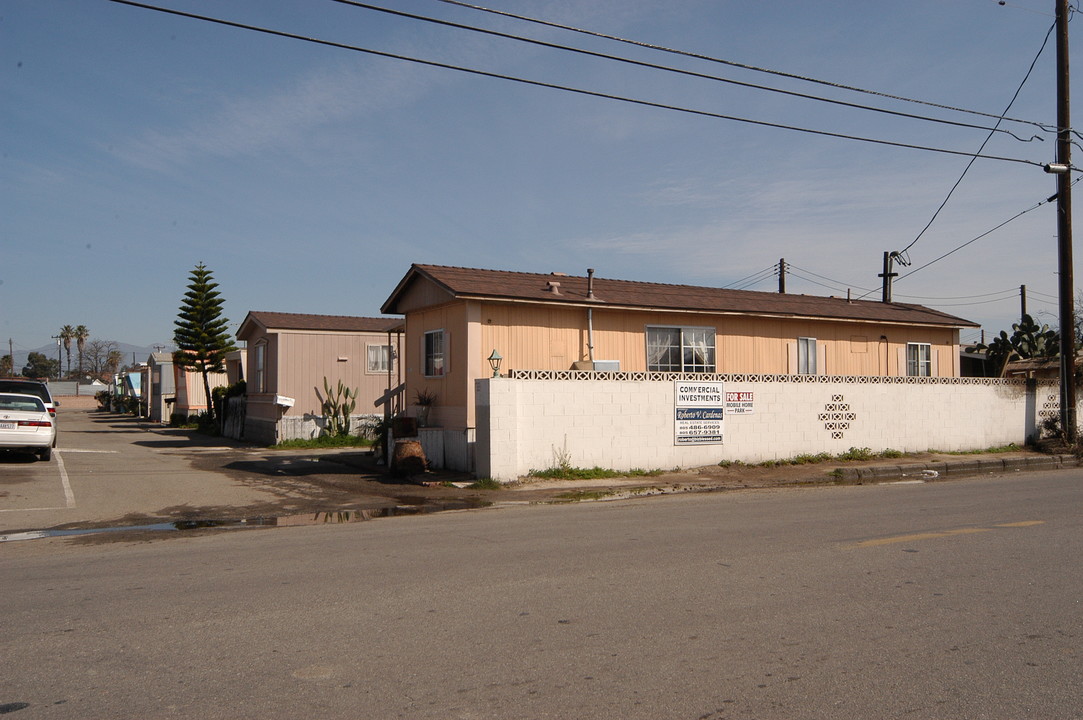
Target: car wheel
x: 46, y: 454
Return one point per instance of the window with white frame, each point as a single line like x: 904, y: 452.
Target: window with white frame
x: 919, y: 359
x: 435, y: 362
x: 260, y: 375
x: 378, y: 359
x: 806, y: 356
x: 681, y: 349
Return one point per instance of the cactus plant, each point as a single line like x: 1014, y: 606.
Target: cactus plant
x: 338, y: 406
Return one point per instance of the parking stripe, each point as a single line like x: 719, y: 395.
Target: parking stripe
x: 69, y: 495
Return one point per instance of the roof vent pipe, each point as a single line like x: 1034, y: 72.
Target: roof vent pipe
x: 553, y: 287
x: 590, y: 317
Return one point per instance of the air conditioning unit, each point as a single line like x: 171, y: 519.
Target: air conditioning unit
x: 597, y: 365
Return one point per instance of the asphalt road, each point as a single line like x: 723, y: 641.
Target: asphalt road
x: 947, y: 600
x: 116, y: 471
x: 110, y: 469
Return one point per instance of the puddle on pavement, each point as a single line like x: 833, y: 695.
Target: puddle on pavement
x: 409, y: 506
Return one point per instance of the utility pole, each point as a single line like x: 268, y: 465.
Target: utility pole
x: 59, y: 357
x: 887, y: 275
x: 1064, y: 232
x: 782, y: 275
x: 1022, y: 302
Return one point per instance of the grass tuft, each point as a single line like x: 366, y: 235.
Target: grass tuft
x: 486, y: 484
x: 594, y: 473
x: 324, y: 441
x: 1010, y: 447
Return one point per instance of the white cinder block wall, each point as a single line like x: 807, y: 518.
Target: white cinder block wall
x: 624, y: 424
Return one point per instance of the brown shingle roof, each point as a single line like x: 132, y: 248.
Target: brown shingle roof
x: 335, y: 323
x: 535, y: 287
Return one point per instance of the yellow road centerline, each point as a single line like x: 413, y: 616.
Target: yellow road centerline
x: 915, y: 537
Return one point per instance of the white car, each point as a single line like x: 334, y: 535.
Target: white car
x: 30, y: 387
x: 25, y: 425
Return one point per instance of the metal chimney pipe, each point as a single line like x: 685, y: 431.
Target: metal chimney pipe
x: 590, y: 317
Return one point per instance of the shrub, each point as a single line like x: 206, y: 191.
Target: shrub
x: 857, y: 454
x: 810, y: 459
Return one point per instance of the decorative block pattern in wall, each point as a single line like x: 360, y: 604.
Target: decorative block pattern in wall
x: 1051, y: 405
x: 837, y: 417
x: 625, y: 420
x: 753, y: 377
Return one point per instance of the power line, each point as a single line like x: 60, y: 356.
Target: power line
x: 970, y: 304
x: 816, y: 282
x: 1002, y: 3
x: 987, y: 232
x: 997, y: 296
x: 989, y: 137
x: 749, y: 285
x: 565, y: 88
x: 975, y: 239
x: 752, y: 279
x: 680, y: 71
x: 844, y: 285
x: 838, y: 86
x: 1008, y: 292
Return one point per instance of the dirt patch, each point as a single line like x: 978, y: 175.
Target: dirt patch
x: 350, y: 484
x: 740, y: 476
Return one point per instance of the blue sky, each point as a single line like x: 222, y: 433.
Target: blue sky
x: 308, y: 178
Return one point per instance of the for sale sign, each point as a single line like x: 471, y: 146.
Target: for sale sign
x: 699, y: 408
x: 739, y: 403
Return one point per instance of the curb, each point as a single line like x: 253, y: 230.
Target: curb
x: 976, y: 466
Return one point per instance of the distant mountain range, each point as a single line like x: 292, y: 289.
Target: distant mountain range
x: 132, y: 354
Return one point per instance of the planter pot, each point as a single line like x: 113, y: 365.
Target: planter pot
x: 423, y: 415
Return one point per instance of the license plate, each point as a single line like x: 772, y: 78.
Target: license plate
x: 9, y: 426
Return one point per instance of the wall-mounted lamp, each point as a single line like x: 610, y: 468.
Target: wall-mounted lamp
x: 494, y: 363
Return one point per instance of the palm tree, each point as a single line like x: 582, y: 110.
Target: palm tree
x: 112, y: 362
x: 66, y: 334
x: 81, y: 335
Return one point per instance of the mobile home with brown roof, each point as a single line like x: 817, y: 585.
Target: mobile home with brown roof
x: 289, y: 356
x: 455, y: 318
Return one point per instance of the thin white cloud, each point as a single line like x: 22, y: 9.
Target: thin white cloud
x: 285, y: 119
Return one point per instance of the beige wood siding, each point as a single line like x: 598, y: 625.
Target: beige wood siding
x: 454, y: 390
x: 303, y: 359
x: 421, y: 295
x: 191, y: 398
x: 539, y: 337
x: 297, y: 361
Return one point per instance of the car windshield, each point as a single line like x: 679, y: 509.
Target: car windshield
x: 21, y: 403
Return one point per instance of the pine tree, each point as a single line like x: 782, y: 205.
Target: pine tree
x: 200, y: 330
